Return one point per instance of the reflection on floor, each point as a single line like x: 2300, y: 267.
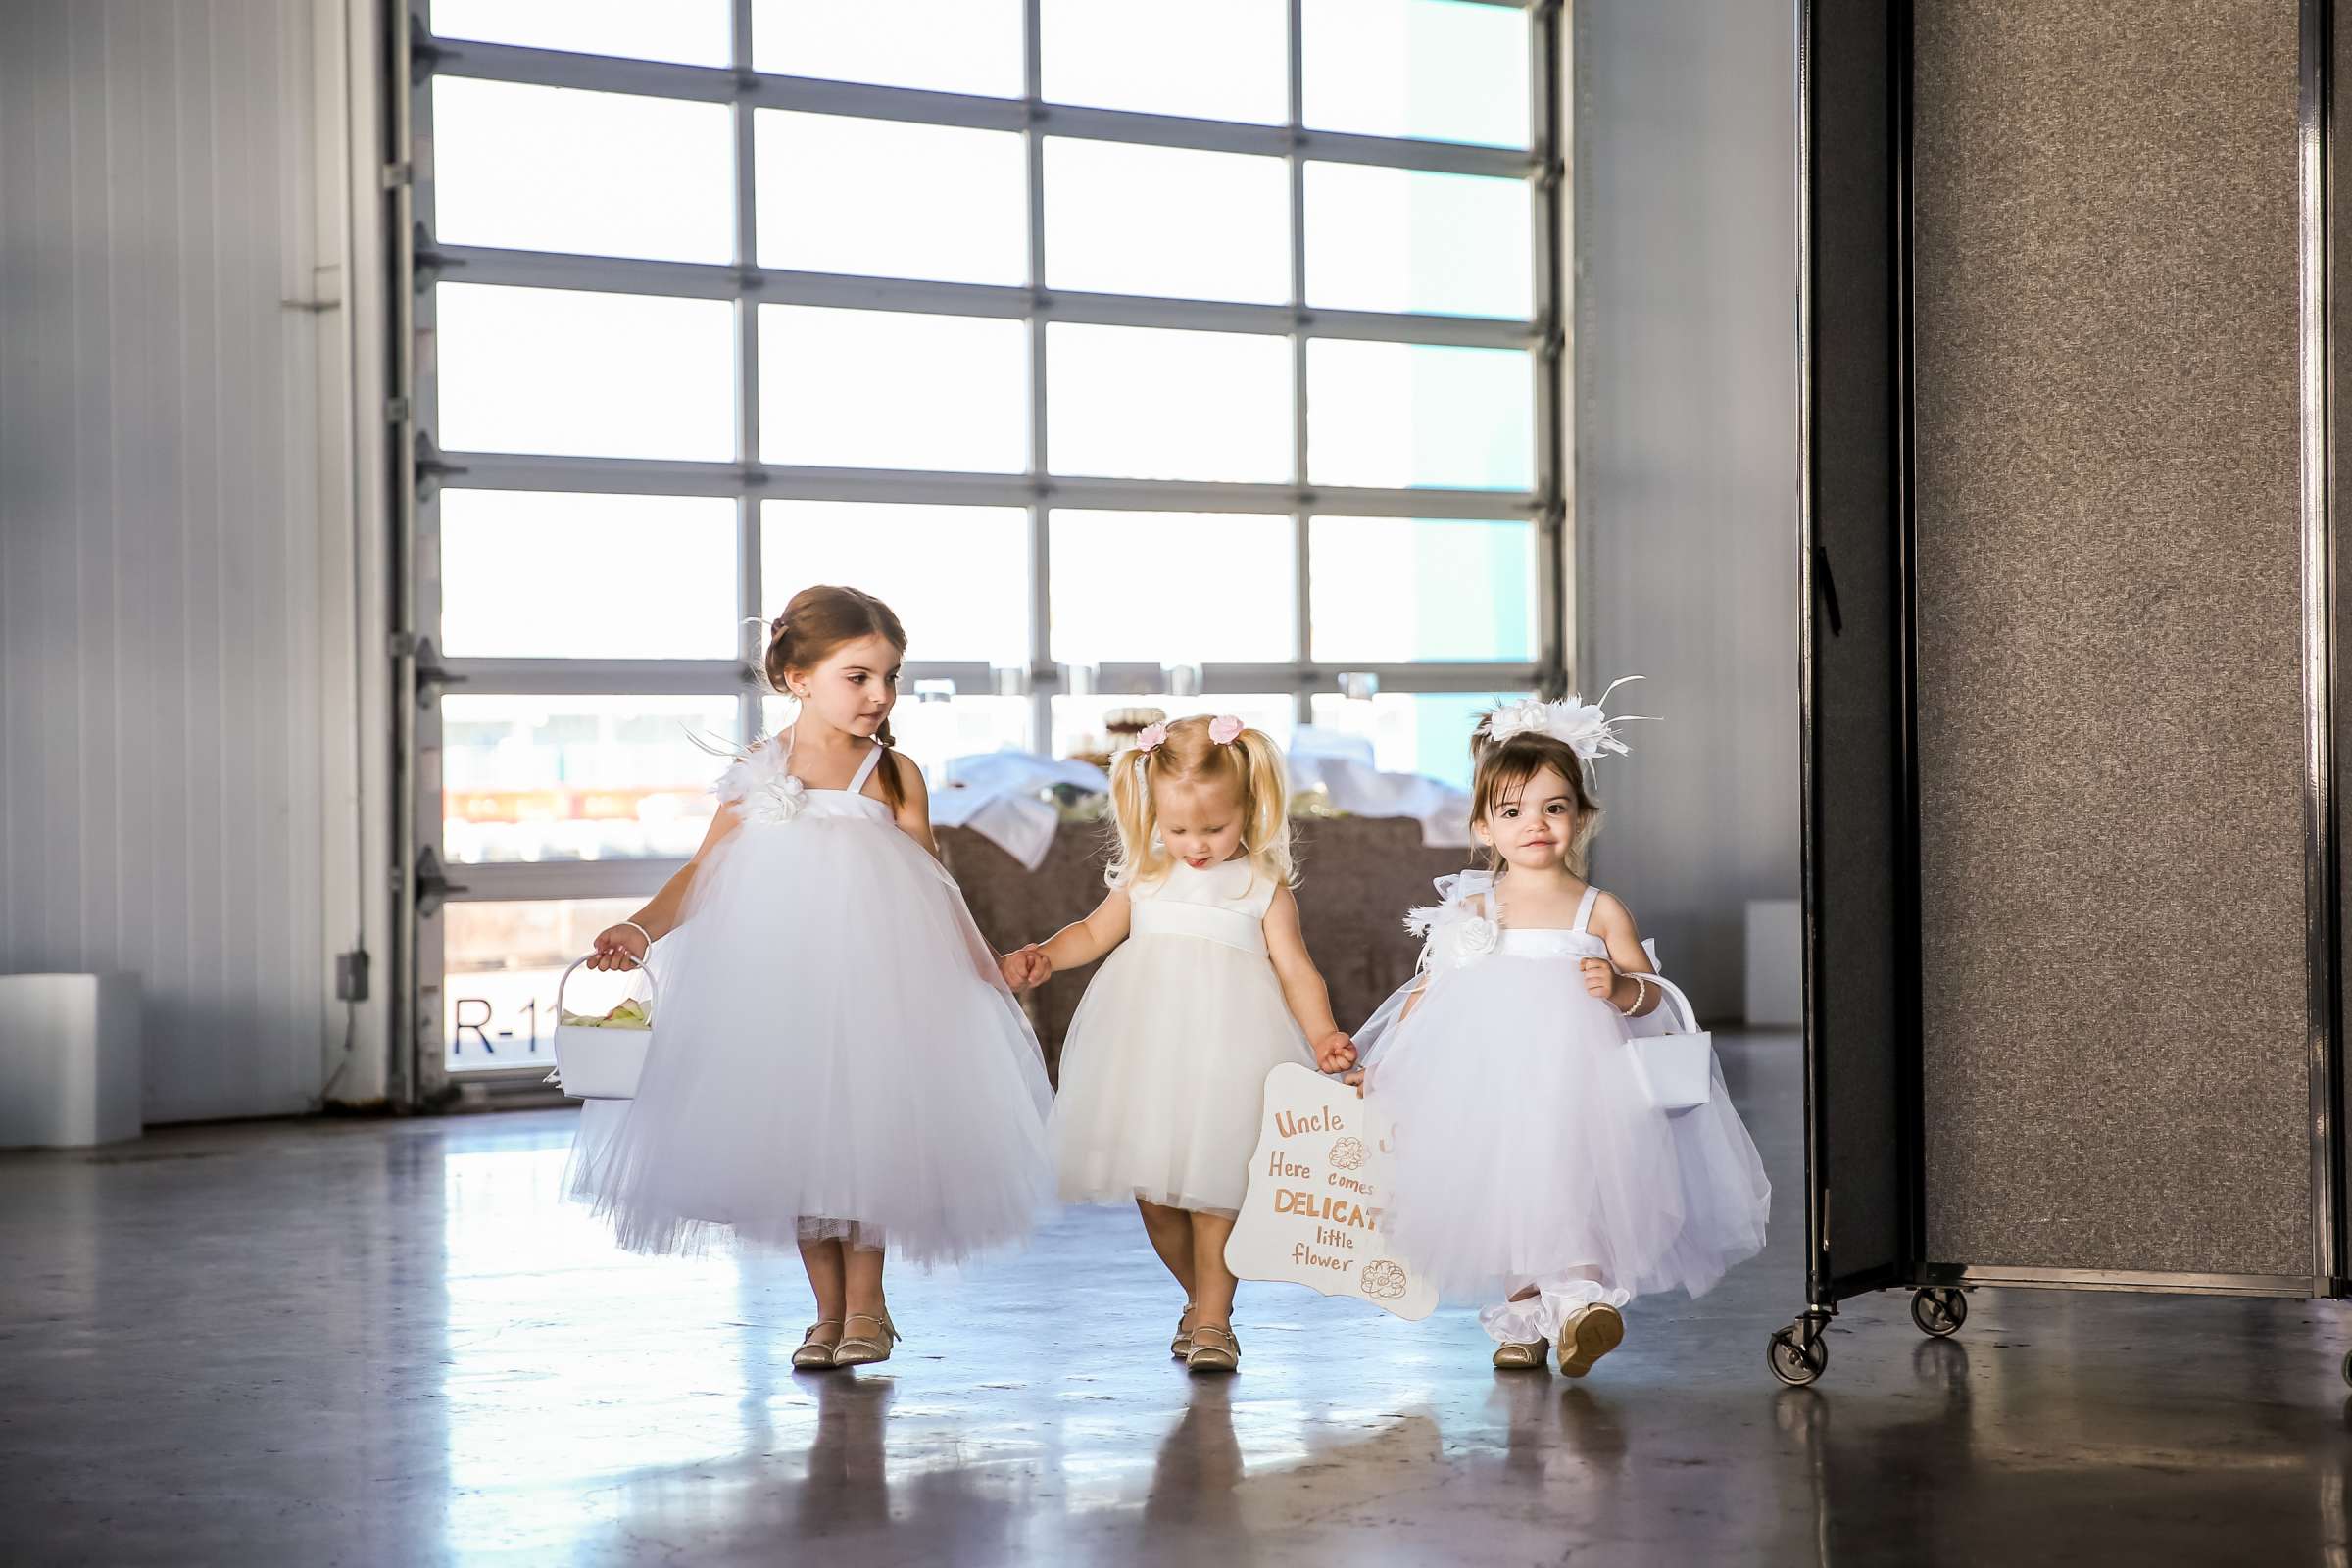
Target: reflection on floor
x: 388, y: 1342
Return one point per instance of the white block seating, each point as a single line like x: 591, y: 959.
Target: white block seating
x: 70, y: 1068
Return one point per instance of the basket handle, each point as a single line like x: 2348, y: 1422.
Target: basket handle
x: 583, y: 959
x: 1689, y: 1018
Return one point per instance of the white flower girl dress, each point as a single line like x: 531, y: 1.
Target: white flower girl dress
x: 1164, y: 1068
x: 836, y: 1052
x: 1526, y: 1152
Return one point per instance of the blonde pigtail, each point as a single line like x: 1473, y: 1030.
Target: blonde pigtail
x: 1190, y: 750
x: 1266, y: 829
x: 1132, y: 817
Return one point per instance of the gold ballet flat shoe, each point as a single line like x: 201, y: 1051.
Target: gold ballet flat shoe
x: 1182, y: 1345
x: 815, y: 1356
x: 1591, y: 1332
x: 863, y: 1349
x: 1528, y: 1357
x: 1214, y: 1350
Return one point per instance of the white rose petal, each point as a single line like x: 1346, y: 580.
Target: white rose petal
x: 775, y: 801
x: 1477, y: 937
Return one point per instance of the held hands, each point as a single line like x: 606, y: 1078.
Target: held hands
x: 1026, y: 967
x: 1335, y: 1051
x: 618, y: 946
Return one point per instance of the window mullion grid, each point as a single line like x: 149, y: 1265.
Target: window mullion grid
x: 1040, y: 534
x: 1301, y: 525
x: 750, y: 88
x: 655, y: 477
x: 1554, y: 565
x: 749, y: 720
x: 418, y: 940
x: 550, y: 67
x: 705, y: 281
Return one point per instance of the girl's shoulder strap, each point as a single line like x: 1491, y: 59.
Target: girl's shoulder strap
x: 1584, y: 907
x: 1259, y: 891
x: 866, y: 769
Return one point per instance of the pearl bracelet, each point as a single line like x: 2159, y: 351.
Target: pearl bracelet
x: 1640, y: 995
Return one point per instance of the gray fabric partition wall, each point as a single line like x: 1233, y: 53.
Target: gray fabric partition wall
x: 2071, y: 871
x: 2110, y: 676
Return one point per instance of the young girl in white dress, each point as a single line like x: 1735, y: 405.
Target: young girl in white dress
x: 1163, y: 1069
x: 1531, y: 1170
x: 837, y: 1060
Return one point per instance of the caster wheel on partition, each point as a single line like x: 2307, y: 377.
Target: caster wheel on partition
x: 2348, y: 1366
x: 1939, y: 1310
x: 1799, y: 1354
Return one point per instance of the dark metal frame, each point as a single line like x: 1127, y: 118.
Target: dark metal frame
x: 2323, y: 874
x: 1798, y: 1352
x: 1825, y: 1284
x: 1815, y: 586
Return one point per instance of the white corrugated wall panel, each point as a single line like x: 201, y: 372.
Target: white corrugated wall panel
x: 163, y: 650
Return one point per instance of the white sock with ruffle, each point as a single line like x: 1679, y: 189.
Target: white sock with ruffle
x: 1515, y: 1322
x: 1540, y: 1316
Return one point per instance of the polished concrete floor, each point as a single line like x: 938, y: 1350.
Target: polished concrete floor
x: 388, y: 1342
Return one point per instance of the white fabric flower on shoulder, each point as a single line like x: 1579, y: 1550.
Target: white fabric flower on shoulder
x: 1458, y: 932
x: 761, y: 789
x: 1474, y: 937
x: 775, y: 800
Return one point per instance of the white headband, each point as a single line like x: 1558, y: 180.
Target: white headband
x: 1574, y: 722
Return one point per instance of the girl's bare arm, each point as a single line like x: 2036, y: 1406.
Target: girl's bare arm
x: 1303, y: 985
x: 914, y: 814
x: 1613, y: 923
x: 618, y: 947
x: 1082, y: 942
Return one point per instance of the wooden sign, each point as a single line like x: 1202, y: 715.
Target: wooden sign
x: 1317, y: 1190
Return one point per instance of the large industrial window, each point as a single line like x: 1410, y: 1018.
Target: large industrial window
x: 1204, y: 354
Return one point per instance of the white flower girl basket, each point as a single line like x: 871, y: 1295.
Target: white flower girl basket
x: 1676, y: 1070
x: 601, y: 1060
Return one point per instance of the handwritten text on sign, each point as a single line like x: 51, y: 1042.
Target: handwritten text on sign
x: 1317, y: 1190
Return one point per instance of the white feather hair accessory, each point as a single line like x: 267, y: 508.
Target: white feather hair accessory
x: 1574, y: 722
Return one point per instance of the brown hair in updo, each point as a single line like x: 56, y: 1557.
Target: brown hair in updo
x: 1502, y: 768
x: 819, y: 619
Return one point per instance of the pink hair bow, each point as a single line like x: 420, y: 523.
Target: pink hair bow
x: 1225, y: 730
x: 1152, y: 738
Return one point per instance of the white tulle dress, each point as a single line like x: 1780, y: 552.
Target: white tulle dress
x: 1164, y: 1067
x: 1526, y: 1152
x: 835, y: 1052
